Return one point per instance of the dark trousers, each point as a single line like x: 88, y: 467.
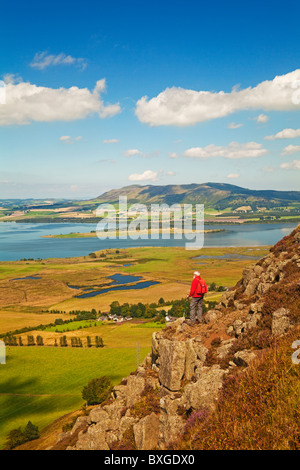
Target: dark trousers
x: 196, y: 309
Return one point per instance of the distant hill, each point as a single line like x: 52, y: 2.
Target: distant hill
x: 219, y: 196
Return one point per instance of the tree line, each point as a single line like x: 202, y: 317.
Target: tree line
x: 156, y: 310
x: 76, y: 342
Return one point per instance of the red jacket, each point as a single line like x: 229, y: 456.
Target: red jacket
x: 194, y: 292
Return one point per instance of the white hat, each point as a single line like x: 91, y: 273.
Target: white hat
x: 196, y: 273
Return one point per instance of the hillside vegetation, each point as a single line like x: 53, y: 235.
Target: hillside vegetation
x: 218, y: 196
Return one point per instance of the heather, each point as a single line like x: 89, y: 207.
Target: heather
x: 257, y: 409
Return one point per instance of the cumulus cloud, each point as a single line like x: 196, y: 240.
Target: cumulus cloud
x: 173, y: 155
x: 181, y: 107
x: 285, y: 134
x: 43, y: 60
x: 261, y: 118
x: 233, y: 175
x: 294, y: 165
x: 233, y: 151
x: 147, y: 175
x: 290, y: 149
x: 26, y: 103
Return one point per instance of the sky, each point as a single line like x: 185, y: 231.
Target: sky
x: 99, y: 95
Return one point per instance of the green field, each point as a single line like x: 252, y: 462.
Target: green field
x: 42, y: 384
x: 72, y: 326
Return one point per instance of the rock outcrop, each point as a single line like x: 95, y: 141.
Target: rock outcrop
x: 186, y: 367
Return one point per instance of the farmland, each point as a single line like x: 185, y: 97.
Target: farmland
x: 42, y: 383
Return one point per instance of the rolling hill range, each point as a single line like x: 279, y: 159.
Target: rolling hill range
x: 219, y: 199
x: 218, y: 196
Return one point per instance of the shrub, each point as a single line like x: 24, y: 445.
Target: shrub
x: 69, y: 426
x: 16, y: 437
x: 149, y: 402
x: 97, y: 390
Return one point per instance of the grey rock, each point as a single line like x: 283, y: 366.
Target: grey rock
x: 146, y: 432
x: 172, y: 363
x: 243, y: 358
x: 280, y: 322
x: 204, y: 392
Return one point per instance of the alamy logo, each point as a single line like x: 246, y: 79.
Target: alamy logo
x: 295, y: 358
x: 2, y: 353
x: 2, y: 92
x: 160, y: 220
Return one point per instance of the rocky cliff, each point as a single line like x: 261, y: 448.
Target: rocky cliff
x: 187, y: 365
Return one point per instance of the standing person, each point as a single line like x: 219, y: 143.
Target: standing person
x: 198, y: 289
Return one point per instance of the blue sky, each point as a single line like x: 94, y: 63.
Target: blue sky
x: 99, y: 95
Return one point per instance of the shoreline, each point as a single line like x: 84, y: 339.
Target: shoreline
x: 295, y: 220
x: 127, y: 233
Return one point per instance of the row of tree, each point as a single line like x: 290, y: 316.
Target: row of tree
x: 76, y: 342
x: 140, y: 310
x: 80, y: 316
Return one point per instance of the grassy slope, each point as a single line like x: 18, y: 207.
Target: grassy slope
x: 41, y: 384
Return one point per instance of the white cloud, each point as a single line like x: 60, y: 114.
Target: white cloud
x: 294, y: 165
x: 43, y: 60
x: 233, y: 175
x: 285, y: 134
x: 290, y: 149
x: 170, y: 173
x: 233, y: 151
x: 173, y: 155
x: 111, y: 141
x: 233, y: 125
x: 261, y: 118
x: 148, y: 175
x: 26, y: 102
x: 181, y: 107
x: 66, y: 139
x: 132, y: 152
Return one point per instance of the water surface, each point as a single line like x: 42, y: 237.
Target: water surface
x: 25, y: 240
